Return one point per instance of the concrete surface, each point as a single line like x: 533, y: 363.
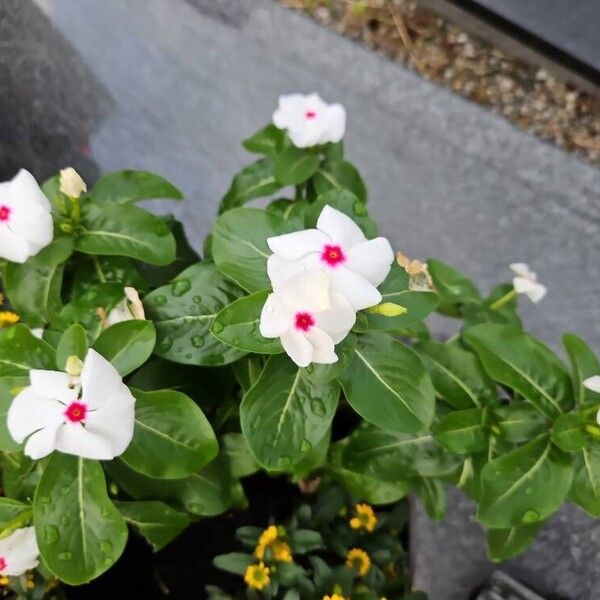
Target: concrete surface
x: 187, y: 80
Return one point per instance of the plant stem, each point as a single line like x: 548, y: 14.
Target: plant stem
x: 502, y: 301
x: 99, y: 270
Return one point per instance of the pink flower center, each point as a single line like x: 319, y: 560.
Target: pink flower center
x: 310, y: 114
x: 2, y: 564
x: 76, y: 412
x: 332, y: 255
x: 304, y: 321
x: 4, y: 213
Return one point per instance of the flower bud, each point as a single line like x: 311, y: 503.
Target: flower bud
x: 388, y: 309
x: 74, y: 366
x: 71, y: 183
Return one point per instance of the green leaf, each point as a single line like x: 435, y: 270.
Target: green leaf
x: 462, y: 431
x: 387, y: 385
x: 20, y: 475
x: 568, y: 432
x: 206, y: 493
x: 239, y: 245
x: 584, y: 364
x: 457, y: 375
x: 254, y: 181
x: 9, y: 509
x: 306, y: 540
x: 453, y: 287
x: 79, y: 531
x: 238, y: 325
x: 130, y: 186
x: 285, y: 414
x: 183, y: 313
x: 73, y: 342
x: 433, y: 496
x: 267, y: 141
x: 34, y: 287
x: 524, y: 486
x: 235, y: 562
x: 585, y: 490
x: 241, y: 460
x: 519, y: 422
x: 521, y: 362
x: 294, y: 166
x: 127, y: 345
x: 339, y: 175
x: 9, y: 388
x: 348, y: 203
x: 172, y: 438
x: 21, y: 351
x: 503, y: 544
x: 325, y: 373
x: 125, y: 230
x: 156, y: 521
x: 312, y: 460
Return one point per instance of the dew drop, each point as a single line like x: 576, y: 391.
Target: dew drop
x: 284, y: 461
x: 317, y: 407
x: 197, y: 299
x: 180, y: 287
x: 65, y: 556
x: 305, y: 446
x: 188, y: 356
x: 160, y: 300
x: 198, y: 341
x: 45, y: 499
x: 196, y: 507
x: 106, y: 546
x: 165, y: 344
x: 531, y: 516
x: 51, y: 534
x: 65, y: 520
x: 360, y: 209
x: 529, y: 491
x: 310, y: 369
x: 218, y: 327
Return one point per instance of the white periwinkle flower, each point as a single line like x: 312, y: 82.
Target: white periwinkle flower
x: 25, y: 218
x: 129, y: 308
x: 526, y: 282
x: 91, y: 416
x: 309, y: 120
x: 19, y: 552
x: 355, y: 265
x: 308, y: 317
x: 70, y: 183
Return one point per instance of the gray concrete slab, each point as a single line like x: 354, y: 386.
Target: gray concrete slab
x: 188, y: 79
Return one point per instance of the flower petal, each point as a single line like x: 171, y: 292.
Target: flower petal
x: 360, y: 292
x: 298, y: 348
x: 292, y: 246
x: 373, y: 259
x: 275, y: 317
x: 75, y: 439
x: 114, y: 422
x: 43, y: 442
x: 99, y: 381
x: 592, y: 383
x: 335, y: 123
x: 521, y: 269
x: 20, y: 550
x: 54, y: 385
x: 338, y: 319
x: 340, y: 227
x: 29, y: 412
x: 537, y: 292
x: 24, y: 187
x: 280, y: 269
x: 323, y: 346
x: 13, y: 247
x: 308, y: 291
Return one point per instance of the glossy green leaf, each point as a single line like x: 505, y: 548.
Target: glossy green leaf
x: 462, y: 431
x: 127, y: 345
x: 285, y: 414
x: 314, y: 459
x: 183, y: 313
x: 125, y: 230
x: 238, y: 325
x: 156, y: 521
x: 130, y: 186
x: 523, y: 363
x: 568, y: 432
x: 339, y: 174
x: 584, y: 364
x: 325, y: 373
x: 9, y: 509
x: 235, y: 562
x: 524, y: 486
x: 457, y: 375
x: 20, y: 475
x: 306, y: 540
x: 172, y: 438
x: 237, y: 452
x: 519, y: 422
x: 503, y: 544
x: 294, y: 166
x: 267, y: 141
x: 254, y: 181
x: 433, y: 496
x: 79, y: 531
x: 34, y: 287
x: 239, y: 245
x: 387, y: 385
x: 453, y: 287
x: 585, y: 490
x: 21, y: 351
x: 73, y: 342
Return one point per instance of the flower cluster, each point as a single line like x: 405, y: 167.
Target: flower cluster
x: 365, y: 518
x: 320, y: 278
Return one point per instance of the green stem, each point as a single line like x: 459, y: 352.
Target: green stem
x: 99, y: 270
x: 502, y: 301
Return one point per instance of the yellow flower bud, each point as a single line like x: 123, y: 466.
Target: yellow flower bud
x: 71, y: 183
x: 74, y: 366
x: 388, y: 309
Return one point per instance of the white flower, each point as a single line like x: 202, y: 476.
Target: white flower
x: 307, y: 317
x: 129, y: 308
x: 309, y: 120
x: 91, y: 416
x: 526, y: 282
x: 355, y: 265
x: 593, y: 383
x: 25, y: 219
x: 19, y: 552
x: 71, y: 183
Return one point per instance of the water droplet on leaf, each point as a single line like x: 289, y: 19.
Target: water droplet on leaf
x: 218, y: 327
x: 65, y: 556
x: 180, y: 287
x: 51, y: 534
x: 198, y: 341
x: 531, y: 516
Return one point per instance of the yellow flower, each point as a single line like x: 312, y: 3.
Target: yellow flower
x: 257, y: 576
x: 269, y: 538
x: 8, y: 318
x: 282, y: 552
x: 334, y: 597
x: 358, y: 559
x: 4, y: 580
x: 365, y: 518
